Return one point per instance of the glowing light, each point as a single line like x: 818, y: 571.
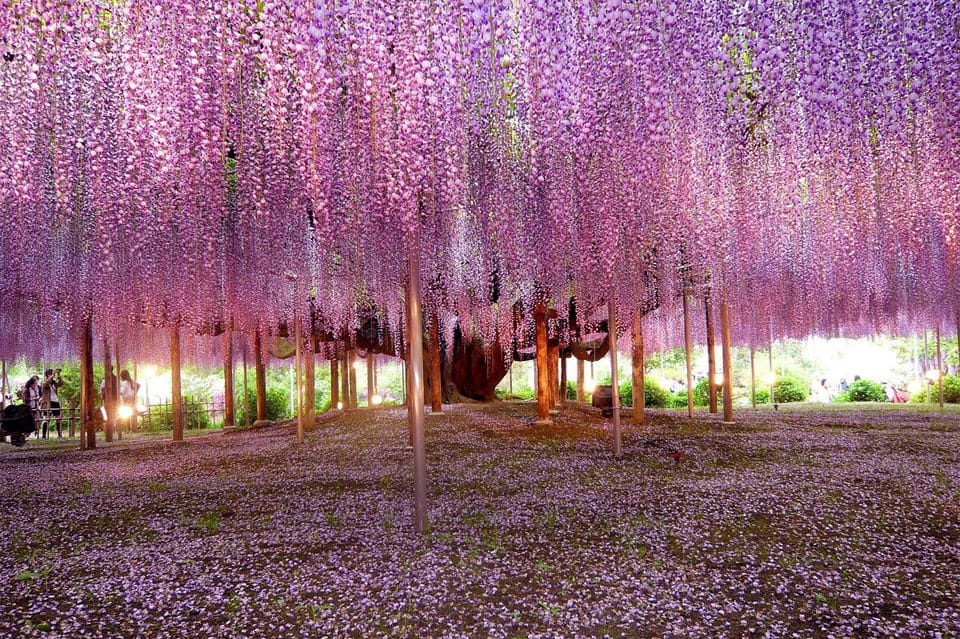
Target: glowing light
x: 125, y: 412
x: 769, y: 379
x: 376, y: 400
x: 915, y: 386
x: 718, y: 379
x: 589, y: 385
x: 933, y: 375
x: 339, y: 405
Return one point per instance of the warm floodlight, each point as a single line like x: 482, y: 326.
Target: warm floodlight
x: 915, y: 386
x: 769, y: 379
x: 589, y: 385
x: 718, y: 379
x: 376, y: 400
x: 124, y: 412
x: 339, y: 405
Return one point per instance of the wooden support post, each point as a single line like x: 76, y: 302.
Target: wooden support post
x: 246, y: 399
x: 117, y: 421
x: 753, y: 379
x: 371, y: 385
x: 543, y: 372
x: 229, y: 410
x: 727, y: 361
x: 563, y: 379
x: 309, y: 386
x: 260, y: 374
x: 939, y: 367
x: 553, y: 356
x: 436, y: 388
x: 109, y: 397
x: 175, y: 377
x: 711, y: 356
x: 637, y: 365
x: 352, y: 373
x: 334, y: 383
x: 345, y: 381
x: 688, y: 348
x: 415, y: 408
x: 615, y: 391
x: 3, y: 384
x: 88, y: 428
x: 298, y: 364
x: 581, y: 395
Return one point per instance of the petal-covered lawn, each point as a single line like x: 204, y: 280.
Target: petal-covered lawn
x: 809, y: 524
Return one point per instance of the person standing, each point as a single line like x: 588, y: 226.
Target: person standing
x: 31, y: 397
x: 50, y: 400
x: 128, y: 397
x: 109, y: 393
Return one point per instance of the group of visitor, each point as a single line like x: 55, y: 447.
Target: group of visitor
x: 44, y: 400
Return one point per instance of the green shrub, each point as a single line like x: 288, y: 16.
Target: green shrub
x: 571, y: 391
x: 701, y: 392
x: 654, y: 395
x: 842, y: 397
x: 864, y: 390
x: 789, y: 389
x: 278, y: 405
x: 763, y: 395
x: 678, y: 400
x: 951, y: 392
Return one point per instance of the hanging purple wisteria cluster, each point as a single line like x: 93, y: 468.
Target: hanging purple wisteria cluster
x: 168, y: 162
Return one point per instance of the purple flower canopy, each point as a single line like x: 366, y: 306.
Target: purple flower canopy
x: 167, y: 162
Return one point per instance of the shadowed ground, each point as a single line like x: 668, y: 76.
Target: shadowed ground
x: 806, y: 522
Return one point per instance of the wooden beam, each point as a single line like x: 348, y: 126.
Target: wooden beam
x: 371, y: 384
x: 298, y: 387
x: 309, y: 387
x: 415, y: 408
x: 688, y: 349
x: 581, y: 395
x: 175, y: 377
x: 727, y: 361
x: 260, y: 374
x: 436, y: 387
x: 88, y: 428
x: 753, y: 378
x: 109, y: 394
x: 543, y: 372
x: 229, y: 409
x: 711, y: 356
x: 615, y: 391
x: 345, y: 380
x: 334, y: 383
x: 553, y: 357
x: 563, y: 379
x: 352, y: 375
x: 637, y: 364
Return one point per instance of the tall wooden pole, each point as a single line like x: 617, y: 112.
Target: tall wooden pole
x: 88, y: 428
x: 553, y: 356
x: 415, y: 408
x: 246, y: 398
x: 117, y: 422
x: 352, y: 375
x: 175, y: 377
x: 753, y: 378
x: 229, y: 410
x: 563, y: 379
x: 3, y: 384
x: 637, y: 366
x: 711, y: 356
x: 958, y: 343
x: 939, y: 367
x: 298, y: 364
x: 309, y: 386
x: 688, y: 347
x: 436, y: 389
x: 109, y: 399
x: 581, y: 395
x: 334, y: 383
x: 727, y: 361
x: 345, y: 381
x: 371, y: 386
x: 260, y: 374
x: 543, y: 372
x: 612, y: 327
